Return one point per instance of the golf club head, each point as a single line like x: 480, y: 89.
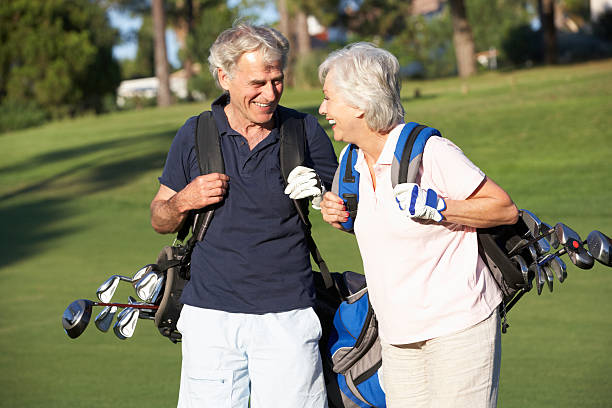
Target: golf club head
x: 599, y: 247
x: 533, y: 253
x: 539, y: 277
x: 567, y: 237
x: 532, y: 221
x: 157, y: 291
x: 542, y: 246
x: 106, y: 291
x: 548, y: 275
x: 581, y: 258
x: 105, y: 318
x: 551, y: 237
x: 76, y: 317
x: 559, y: 267
x: 146, y: 286
x: 126, y: 324
x: 522, y: 265
x: 142, y: 272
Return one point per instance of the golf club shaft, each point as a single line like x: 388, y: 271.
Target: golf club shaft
x: 531, y: 242
x: 151, y: 307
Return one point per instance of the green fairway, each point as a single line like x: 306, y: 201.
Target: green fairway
x: 74, y: 208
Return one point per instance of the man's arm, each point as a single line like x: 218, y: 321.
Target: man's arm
x: 170, y: 208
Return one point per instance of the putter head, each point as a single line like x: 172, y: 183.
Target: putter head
x: 599, y: 246
x: 104, y: 319
x: 581, y: 258
x: 106, y: 291
x: 76, y: 317
x: 126, y: 324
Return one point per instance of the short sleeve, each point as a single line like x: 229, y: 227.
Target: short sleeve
x: 181, y: 157
x: 448, y: 171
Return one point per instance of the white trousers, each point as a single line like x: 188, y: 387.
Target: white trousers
x: 458, y: 370
x: 273, y: 359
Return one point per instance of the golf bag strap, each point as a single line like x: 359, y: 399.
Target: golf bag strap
x: 292, y: 152
x: 210, y: 160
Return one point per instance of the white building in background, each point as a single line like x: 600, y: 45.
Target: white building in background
x: 147, y: 88
x: 598, y: 7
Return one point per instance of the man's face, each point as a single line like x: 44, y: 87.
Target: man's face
x: 255, y: 89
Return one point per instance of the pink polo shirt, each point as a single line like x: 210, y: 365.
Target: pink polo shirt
x: 424, y: 279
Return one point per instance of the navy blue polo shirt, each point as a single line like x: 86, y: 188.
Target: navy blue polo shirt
x: 254, y: 257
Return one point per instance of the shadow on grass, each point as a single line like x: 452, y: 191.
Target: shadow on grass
x: 33, y: 223
x: 31, y: 228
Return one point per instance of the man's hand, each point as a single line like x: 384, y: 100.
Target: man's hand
x: 203, y: 191
x: 333, y: 210
x: 304, y: 182
x: 418, y: 203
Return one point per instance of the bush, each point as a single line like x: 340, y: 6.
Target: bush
x: 20, y: 115
x: 522, y: 46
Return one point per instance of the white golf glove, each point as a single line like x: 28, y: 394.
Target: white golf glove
x: 304, y: 182
x: 419, y: 203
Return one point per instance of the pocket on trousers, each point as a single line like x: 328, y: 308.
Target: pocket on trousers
x: 210, y: 388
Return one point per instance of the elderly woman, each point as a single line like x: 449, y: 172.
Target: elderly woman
x: 434, y: 298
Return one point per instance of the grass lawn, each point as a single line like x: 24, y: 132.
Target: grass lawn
x: 74, y: 198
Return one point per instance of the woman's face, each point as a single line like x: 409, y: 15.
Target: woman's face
x: 345, y: 120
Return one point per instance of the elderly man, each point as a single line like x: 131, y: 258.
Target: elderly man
x: 249, y: 330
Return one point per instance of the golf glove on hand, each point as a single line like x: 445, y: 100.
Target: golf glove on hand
x: 304, y: 182
x: 419, y: 203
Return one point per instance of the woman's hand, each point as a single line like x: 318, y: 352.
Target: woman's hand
x: 333, y: 210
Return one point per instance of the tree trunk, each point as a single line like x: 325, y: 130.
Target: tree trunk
x: 184, y: 27
x: 463, y: 40
x: 303, y: 38
x: 284, y: 26
x: 547, y: 19
x: 164, y: 98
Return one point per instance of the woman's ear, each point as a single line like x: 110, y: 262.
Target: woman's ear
x: 359, y: 113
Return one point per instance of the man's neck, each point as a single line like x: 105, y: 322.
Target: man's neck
x: 252, y: 132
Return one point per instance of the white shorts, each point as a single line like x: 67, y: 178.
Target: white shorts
x: 273, y: 359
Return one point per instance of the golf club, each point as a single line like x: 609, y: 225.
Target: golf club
x: 105, y: 318
x: 599, y: 247
x: 522, y: 265
x: 534, y: 224
x: 106, y: 291
x: 77, y: 315
x: 572, y: 244
x: 126, y: 323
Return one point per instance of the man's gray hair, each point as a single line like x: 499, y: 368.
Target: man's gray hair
x: 368, y: 79
x: 244, y: 37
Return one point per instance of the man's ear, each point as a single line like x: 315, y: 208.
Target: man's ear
x: 223, y: 79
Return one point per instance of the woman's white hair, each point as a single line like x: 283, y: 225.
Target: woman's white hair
x: 368, y: 79
x: 244, y: 37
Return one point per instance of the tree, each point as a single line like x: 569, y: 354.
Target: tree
x: 463, y: 39
x: 164, y: 97
x: 547, y: 18
x: 57, y: 54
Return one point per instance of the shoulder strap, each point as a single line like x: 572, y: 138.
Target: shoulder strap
x: 292, y: 152
x: 409, y: 152
x: 210, y: 160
